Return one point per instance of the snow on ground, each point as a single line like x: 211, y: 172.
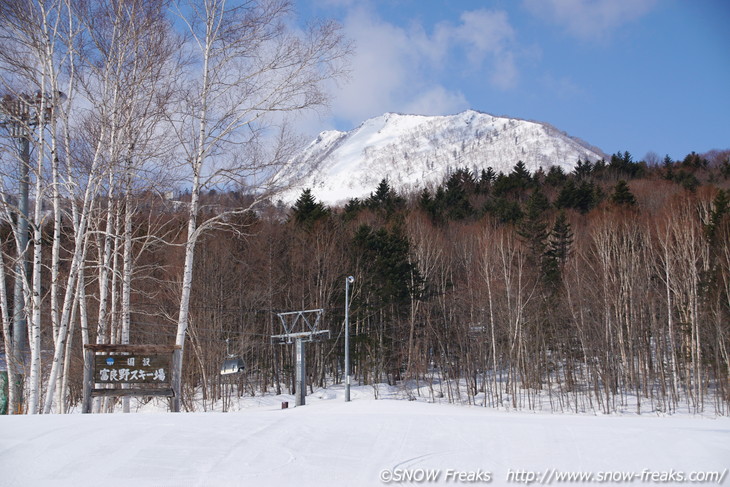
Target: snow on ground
x: 362, y: 443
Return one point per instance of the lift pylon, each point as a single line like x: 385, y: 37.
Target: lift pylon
x: 300, y: 327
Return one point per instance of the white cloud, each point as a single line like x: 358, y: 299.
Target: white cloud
x: 437, y: 101
x: 335, y: 3
x: 504, y: 73
x: 563, y: 87
x: 394, y: 67
x: 484, y: 32
x: 590, y: 19
x: 382, y: 65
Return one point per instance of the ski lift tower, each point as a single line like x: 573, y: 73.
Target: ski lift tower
x: 21, y: 114
x: 300, y: 327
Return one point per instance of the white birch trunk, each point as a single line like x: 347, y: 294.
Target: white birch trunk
x: 34, y: 324
x: 7, y: 325
x: 196, y: 166
x: 114, y: 332
x: 56, y: 242
x: 187, y: 279
x: 243, y: 78
x: 61, y: 396
x: 79, y: 305
x: 102, y: 333
x: 127, y: 266
x: 80, y: 242
x: 83, y: 310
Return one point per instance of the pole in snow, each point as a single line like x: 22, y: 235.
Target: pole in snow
x: 301, y: 372
x: 348, y: 281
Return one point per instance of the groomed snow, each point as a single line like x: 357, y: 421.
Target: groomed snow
x: 332, y: 443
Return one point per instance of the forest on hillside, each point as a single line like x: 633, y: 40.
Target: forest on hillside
x: 588, y: 287
x: 606, y: 286
x: 595, y: 289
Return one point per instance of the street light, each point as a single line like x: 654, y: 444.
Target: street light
x: 348, y: 281
x: 19, y: 114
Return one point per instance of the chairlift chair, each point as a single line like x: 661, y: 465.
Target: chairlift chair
x: 232, y: 364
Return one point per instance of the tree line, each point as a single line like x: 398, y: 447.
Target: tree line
x: 597, y: 289
x: 623, y: 304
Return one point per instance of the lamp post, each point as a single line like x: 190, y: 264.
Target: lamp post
x: 20, y: 114
x: 348, y: 281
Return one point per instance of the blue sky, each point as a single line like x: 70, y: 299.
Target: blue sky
x: 636, y: 75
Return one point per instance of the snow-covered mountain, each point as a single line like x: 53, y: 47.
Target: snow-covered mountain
x: 414, y: 151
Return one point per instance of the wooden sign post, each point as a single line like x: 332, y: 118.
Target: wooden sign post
x: 131, y: 370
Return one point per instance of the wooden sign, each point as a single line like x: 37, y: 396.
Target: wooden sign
x: 132, y: 369
x: 119, y: 368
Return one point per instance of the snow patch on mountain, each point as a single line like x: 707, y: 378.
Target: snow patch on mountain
x: 415, y: 151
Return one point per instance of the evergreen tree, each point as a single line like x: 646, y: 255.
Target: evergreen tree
x: 599, y: 168
x: 685, y: 179
x: 538, y: 179
x: 720, y: 208
x: 555, y: 177
x: 538, y: 202
x: 502, y: 185
x: 439, y: 200
x: 624, y: 165
x: 427, y: 203
x: 560, y: 241
x: 385, y: 199
x: 381, y: 196
x: 582, y: 197
x: 486, y: 179
x: 622, y: 195
x: 518, y: 181
x: 520, y: 173
x: 725, y: 168
x: 588, y: 196
x: 456, y: 196
x: 668, y: 168
x: 504, y: 210
x: 352, y: 208
x: 583, y: 169
x: 306, y: 211
x: 464, y: 179
x: 566, y: 197
x: 425, y: 200
x: 533, y: 228
x: 695, y: 161
x: 388, y: 272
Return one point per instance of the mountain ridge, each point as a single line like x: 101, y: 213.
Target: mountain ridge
x: 416, y: 151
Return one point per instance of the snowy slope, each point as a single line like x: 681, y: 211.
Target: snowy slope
x: 332, y: 443
x: 413, y: 151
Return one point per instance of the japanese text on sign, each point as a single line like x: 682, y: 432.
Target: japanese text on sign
x: 132, y: 369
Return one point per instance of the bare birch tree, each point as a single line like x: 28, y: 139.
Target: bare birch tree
x: 247, y: 67
x: 32, y: 56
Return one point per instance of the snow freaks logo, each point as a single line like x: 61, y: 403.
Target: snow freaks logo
x: 423, y: 475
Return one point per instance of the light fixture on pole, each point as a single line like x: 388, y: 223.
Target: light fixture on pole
x: 348, y: 281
